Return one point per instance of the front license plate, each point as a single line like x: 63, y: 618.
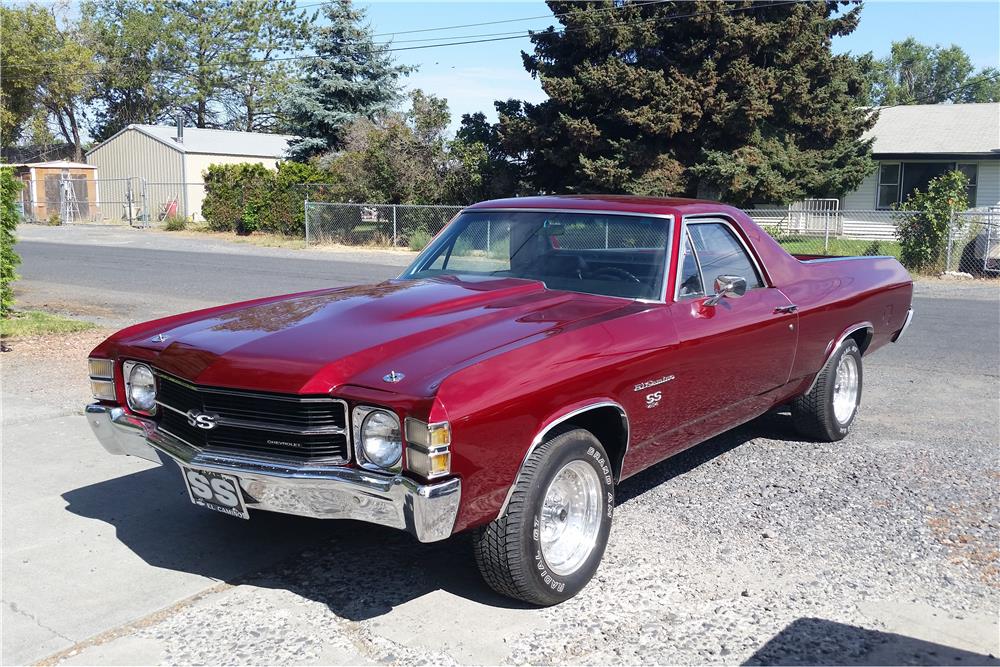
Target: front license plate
x: 214, y: 491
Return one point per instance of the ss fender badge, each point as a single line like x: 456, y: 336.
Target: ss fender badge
x: 652, y: 383
x: 159, y: 338
x: 652, y: 400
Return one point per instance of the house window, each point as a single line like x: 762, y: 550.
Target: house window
x: 897, y: 181
x: 971, y: 171
x: 888, y: 185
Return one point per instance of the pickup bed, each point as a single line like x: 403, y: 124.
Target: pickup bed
x: 536, y: 353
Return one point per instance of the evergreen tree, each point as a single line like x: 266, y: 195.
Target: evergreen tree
x: 350, y: 77
x: 742, y: 101
x: 500, y: 177
x: 260, y: 78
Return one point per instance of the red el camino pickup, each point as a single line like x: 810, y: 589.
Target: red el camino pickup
x: 538, y: 352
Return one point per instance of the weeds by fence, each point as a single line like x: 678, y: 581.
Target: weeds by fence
x: 375, y: 224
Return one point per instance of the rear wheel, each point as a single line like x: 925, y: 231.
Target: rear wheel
x: 551, y: 540
x: 827, y: 412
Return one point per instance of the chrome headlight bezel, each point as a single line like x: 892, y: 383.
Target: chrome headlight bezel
x: 132, y: 386
x: 363, y: 416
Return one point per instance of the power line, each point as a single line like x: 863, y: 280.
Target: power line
x: 481, y: 39
x: 973, y: 80
x: 512, y: 34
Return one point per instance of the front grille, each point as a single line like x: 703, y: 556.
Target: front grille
x: 298, y: 428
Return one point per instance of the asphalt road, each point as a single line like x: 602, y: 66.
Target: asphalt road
x: 117, y: 276
x: 754, y: 547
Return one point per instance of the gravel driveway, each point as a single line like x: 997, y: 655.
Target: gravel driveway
x: 752, y: 548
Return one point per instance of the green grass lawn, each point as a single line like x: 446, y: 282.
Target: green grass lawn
x: 35, y: 322
x: 814, y: 246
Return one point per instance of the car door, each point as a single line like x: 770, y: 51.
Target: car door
x: 732, y: 354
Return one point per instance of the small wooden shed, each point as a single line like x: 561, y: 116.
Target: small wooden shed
x: 61, y: 188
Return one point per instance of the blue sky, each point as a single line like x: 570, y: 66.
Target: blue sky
x: 471, y: 76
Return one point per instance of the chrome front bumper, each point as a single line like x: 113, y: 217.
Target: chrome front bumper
x: 427, y: 511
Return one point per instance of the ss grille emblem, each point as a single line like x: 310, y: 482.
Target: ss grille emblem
x: 201, y: 420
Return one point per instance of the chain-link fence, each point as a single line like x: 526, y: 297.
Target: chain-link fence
x: 375, y: 224
x: 68, y: 199
x: 814, y: 227
x: 970, y: 245
x: 974, y: 243
x: 74, y: 198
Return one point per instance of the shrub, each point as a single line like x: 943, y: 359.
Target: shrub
x: 419, y: 238
x: 9, y: 259
x: 245, y: 198
x: 923, y: 231
x: 54, y: 220
x: 874, y: 249
x: 175, y: 223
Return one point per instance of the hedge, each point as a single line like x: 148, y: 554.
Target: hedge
x: 249, y: 197
x: 9, y: 259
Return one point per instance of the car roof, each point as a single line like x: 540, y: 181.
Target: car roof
x: 611, y: 203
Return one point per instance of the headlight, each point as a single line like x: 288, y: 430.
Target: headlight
x: 379, y: 440
x: 140, y: 387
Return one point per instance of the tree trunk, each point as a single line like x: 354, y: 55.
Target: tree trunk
x: 75, y: 128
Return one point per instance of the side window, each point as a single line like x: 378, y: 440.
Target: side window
x: 721, y: 254
x: 690, y: 279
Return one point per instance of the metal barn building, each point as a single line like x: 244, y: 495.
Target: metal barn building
x: 155, y: 169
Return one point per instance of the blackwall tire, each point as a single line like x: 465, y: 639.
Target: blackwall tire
x: 828, y: 411
x: 550, y: 542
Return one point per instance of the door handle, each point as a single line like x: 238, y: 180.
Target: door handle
x: 790, y: 308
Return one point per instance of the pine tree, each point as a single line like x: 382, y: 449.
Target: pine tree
x: 350, y: 77
x: 742, y: 101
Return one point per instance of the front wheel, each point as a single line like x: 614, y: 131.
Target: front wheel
x: 827, y: 412
x: 551, y: 540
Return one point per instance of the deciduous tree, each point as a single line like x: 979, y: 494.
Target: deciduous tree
x: 46, y: 64
x: 915, y: 73
x: 405, y: 158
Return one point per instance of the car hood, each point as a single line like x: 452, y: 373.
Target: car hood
x: 314, y: 342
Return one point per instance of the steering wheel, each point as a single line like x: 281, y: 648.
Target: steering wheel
x: 617, y: 274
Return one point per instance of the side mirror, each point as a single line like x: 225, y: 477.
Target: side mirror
x: 731, y: 287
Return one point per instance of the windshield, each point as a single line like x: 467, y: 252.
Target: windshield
x: 614, y: 255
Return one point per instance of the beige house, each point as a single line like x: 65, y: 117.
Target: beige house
x: 163, y: 165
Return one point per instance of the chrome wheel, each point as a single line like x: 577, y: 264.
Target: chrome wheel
x: 845, y: 389
x: 571, y: 517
